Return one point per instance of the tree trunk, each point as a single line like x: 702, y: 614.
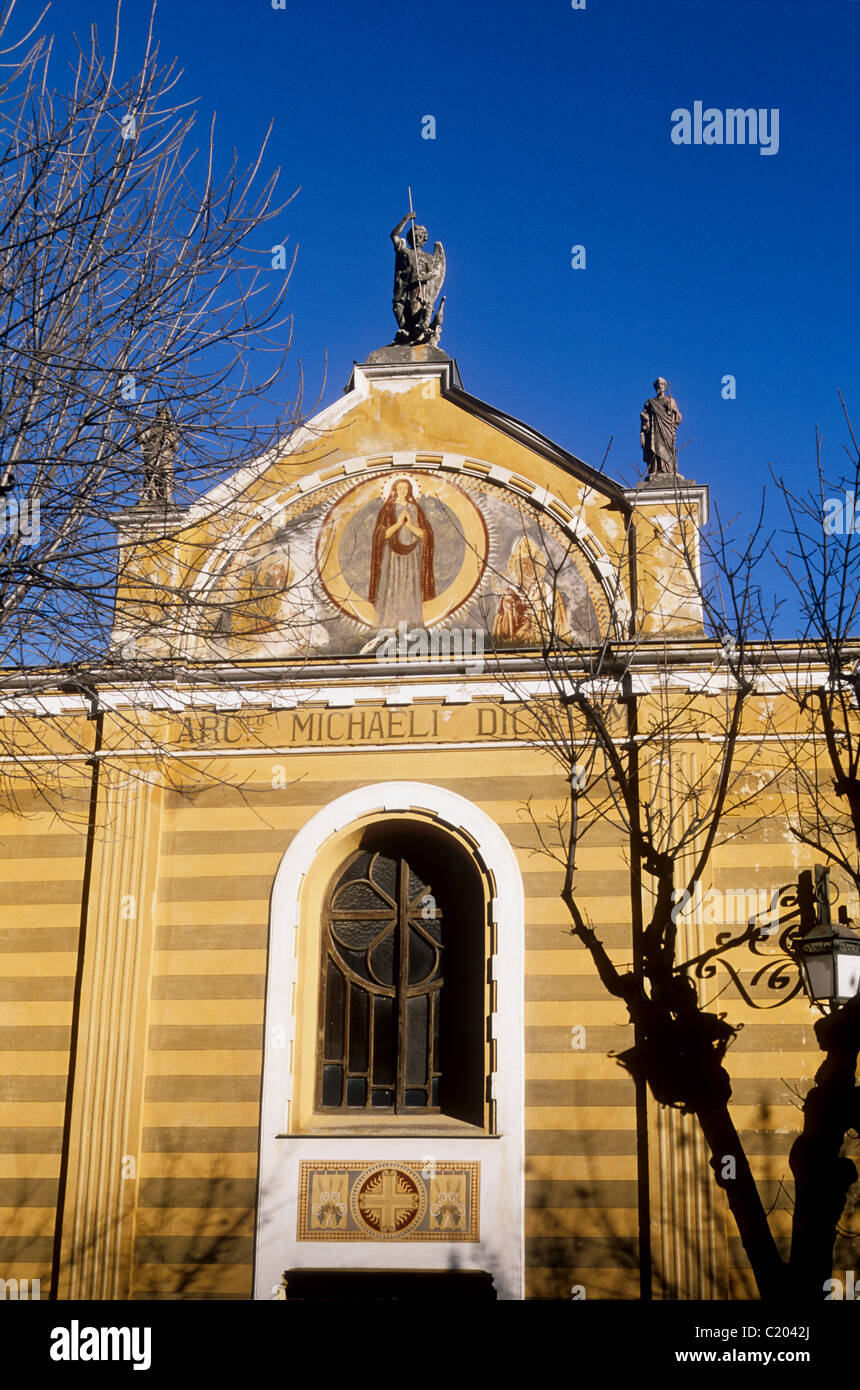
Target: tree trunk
x: 822, y: 1176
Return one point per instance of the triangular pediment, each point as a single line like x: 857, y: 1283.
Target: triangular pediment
x: 406, y: 507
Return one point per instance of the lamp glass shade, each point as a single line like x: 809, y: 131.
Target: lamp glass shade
x: 830, y: 962
x: 847, y: 975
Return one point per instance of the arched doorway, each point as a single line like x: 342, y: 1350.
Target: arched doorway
x: 403, y: 980
x: 433, y: 1101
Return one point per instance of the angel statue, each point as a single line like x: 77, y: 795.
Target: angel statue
x: 418, y: 279
x: 158, y: 441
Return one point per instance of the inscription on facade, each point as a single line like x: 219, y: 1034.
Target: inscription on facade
x: 412, y: 724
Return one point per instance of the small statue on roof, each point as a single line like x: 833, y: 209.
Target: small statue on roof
x: 158, y: 442
x: 659, y: 424
x: 418, y: 278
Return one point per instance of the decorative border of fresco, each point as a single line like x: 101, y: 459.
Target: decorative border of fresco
x: 557, y: 518
x: 363, y: 1200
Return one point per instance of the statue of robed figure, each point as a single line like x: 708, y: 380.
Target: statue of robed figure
x: 660, y: 420
x: 158, y: 442
x: 418, y: 278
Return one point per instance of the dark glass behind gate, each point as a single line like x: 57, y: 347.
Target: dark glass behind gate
x: 380, y: 1006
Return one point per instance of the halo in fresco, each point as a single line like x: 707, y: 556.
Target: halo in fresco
x: 359, y: 557
x: 408, y: 548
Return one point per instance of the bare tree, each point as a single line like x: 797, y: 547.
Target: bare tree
x: 821, y: 568
x: 649, y: 731
x: 820, y: 796
x: 142, y: 328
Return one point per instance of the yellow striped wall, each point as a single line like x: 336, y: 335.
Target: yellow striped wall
x: 191, y: 1108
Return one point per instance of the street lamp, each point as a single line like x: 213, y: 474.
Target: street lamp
x: 829, y: 955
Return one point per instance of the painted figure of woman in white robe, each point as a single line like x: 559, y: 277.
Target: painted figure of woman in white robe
x: 401, y: 564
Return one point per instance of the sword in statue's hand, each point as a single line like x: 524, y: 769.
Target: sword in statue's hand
x: 415, y: 249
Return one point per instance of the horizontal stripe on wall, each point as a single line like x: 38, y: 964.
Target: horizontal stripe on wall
x: 31, y: 1139
x: 201, y: 1139
x: 219, y: 1062
x: 769, y: 1142
x: 192, y: 1281
x: 543, y: 988
x: 591, y: 883
x: 206, y: 1193
x: 767, y: 876
x: 230, y: 936
x: 238, y: 961
x: 592, y: 1142
x: 27, y: 1192
x: 780, y: 1091
x: 224, y: 888
x: 201, y: 1037
x: 575, y: 1195
x: 580, y: 1168
x: 581, y: 1093
x: 562, y: 965
x: 199, y: 1165
x: 25, y: 1249
x: 570, y: 1066
x: 208, y: 987
x: 217, y: 842
x: 220, y: 1087
x: 203, y: 1250
x: 616, y: 1222
x: 27, y: 1221
x: 585, y: 1252
x: 305, y: 792
x: 599, y: 1038
x: 743, y: 829
x: 195, y: 1221
x: 607, y: 1012
x: 521, y: 834
x: 193, y: 1114
x: 765, y: 1037
x: 26, y: 988
x: 179, y: 1012
x: 558, y: 936
x: 754, y: 1037
x: 215, y: 937
x: 39, y: 939
x: 57, y: 964
x: 554, y: 1117
x: 599, y: 1284
x: 195, y: 1295
x: 42, y: 891
x: 42, y: 847
x: 21, y: 1012
x: 25, y: 1038
x: 35, y: 1063
x: 32, y: 1088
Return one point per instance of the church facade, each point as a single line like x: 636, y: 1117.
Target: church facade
x: 290, y: 994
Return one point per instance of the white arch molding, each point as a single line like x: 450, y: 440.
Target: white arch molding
x: 500, y: 1250
x: 605, y: 571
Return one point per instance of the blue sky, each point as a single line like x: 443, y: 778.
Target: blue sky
x: 553, y: 129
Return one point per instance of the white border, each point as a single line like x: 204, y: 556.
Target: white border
x: 501, y: 1249
x: 246, y: 524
